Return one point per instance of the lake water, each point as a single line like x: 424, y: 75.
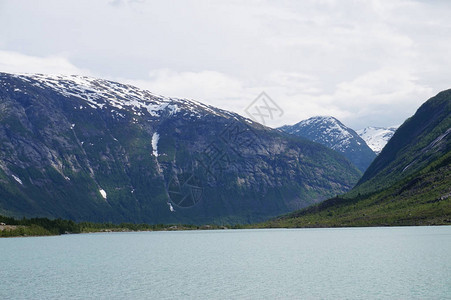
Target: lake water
x: 346, y: 263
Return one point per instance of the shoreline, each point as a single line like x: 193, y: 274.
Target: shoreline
x: 222, y: 228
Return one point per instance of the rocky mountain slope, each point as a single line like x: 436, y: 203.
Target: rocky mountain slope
x: 409, y: 183
x: 89, y: 149
x: 418, y: 142
x: 377, y: 137
x: 333, y: 134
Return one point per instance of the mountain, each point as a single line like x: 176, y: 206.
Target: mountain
x: 409, y: 182
x: 377, y: 137
x: 87, y: 149
x: 336, y: 136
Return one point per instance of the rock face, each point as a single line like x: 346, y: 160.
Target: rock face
x: 336, y: 136
x: 377, y: 137
x: 88, y: 149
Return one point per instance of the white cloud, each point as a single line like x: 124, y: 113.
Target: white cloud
x: 383, y: 97
x: 14, y: 62
x: 210, y: 87
x: 366, y: 62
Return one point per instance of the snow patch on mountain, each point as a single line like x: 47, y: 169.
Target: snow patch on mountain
x: 377, y: 137
x: 155, y: 138
x: 17, y: 179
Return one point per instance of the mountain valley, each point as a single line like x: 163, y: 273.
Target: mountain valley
x: 409, y: 182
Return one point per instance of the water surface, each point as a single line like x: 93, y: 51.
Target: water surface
x: 345, y: 263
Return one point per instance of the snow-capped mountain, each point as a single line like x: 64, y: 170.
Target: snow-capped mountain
x: 332, y: 133
x: 377, y: 137
x: 99, y: 93
x: 89, y: 149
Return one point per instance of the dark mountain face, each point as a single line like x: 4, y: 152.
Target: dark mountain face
x: 423, y: 138
x: 333, y: 134
x: 88, y: 149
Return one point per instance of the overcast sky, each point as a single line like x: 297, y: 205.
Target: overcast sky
x: 368, y: 63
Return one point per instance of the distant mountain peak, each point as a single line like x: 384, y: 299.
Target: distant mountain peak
x: 330, y: 132
x: 377, y: 137
x: 335, y: 133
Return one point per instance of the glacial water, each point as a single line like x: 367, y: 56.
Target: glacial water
x: 346, y: 263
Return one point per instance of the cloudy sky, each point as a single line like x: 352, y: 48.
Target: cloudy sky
x: 368, y: 63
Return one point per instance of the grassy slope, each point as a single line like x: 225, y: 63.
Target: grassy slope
x: 420, y: 199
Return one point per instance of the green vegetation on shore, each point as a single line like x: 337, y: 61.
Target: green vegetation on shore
x: 45, y: 226
x: 36, y: 227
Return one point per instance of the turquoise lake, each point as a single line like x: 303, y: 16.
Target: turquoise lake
x: 342, y: 263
